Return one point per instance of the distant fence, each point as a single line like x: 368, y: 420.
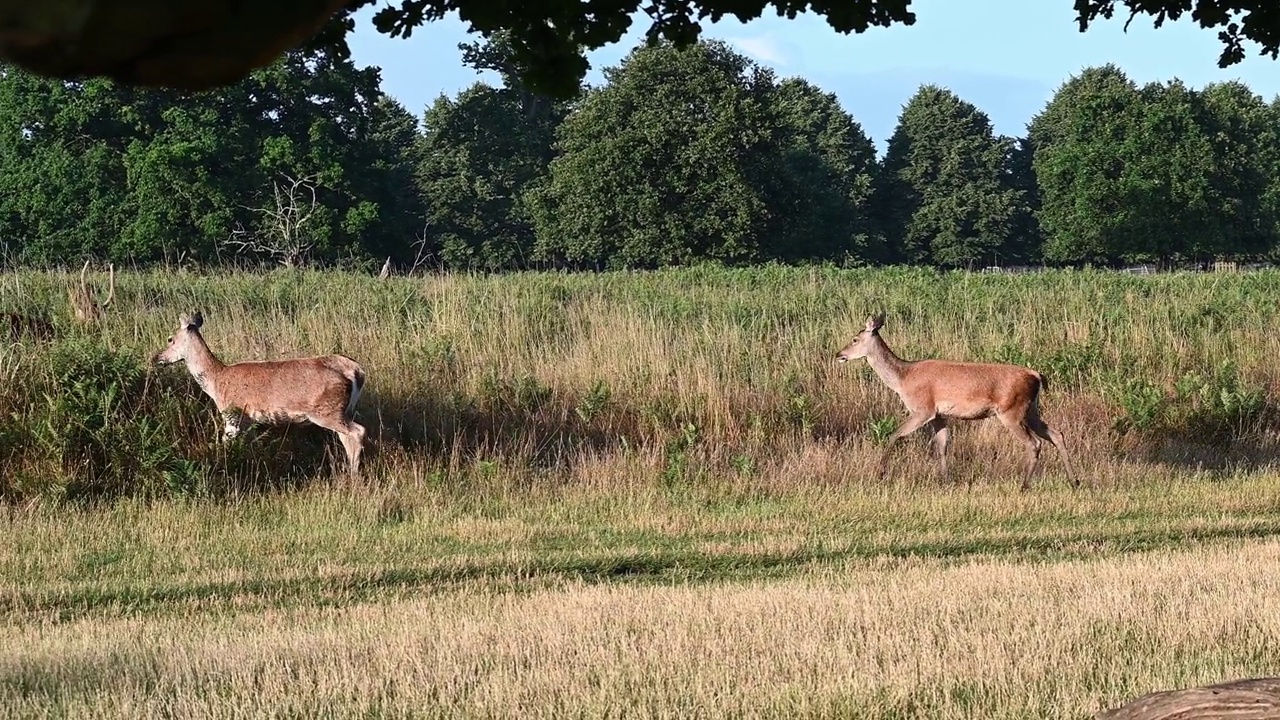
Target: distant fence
x: 1146, y: 269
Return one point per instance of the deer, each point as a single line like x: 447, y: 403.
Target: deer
x: 28, y: 327
x: 87, y: 309
x: 937, y: 392
x: 321, y: 390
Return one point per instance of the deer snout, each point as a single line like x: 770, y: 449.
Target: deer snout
x: 841, y: 357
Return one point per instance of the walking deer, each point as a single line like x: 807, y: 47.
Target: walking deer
x: 83, y: 305
x: 936, y: 392
x: 321, y: 390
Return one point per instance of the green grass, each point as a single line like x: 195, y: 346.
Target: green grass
x: 639, y: 494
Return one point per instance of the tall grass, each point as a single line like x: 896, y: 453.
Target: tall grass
x: 689, y: 377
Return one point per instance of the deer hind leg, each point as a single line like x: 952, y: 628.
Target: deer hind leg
x: 1038, y: 426
x: 910, y: 425
x: 350, y: 432
x: 353, y: 443
x: 941, y: 441
x: 1018, y: 426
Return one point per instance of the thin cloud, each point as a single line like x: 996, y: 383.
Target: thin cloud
x: 763, y: 48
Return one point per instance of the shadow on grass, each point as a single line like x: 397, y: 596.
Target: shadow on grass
x: 657, y: 566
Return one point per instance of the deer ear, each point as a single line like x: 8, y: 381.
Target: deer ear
x: 875, y: 322
x: 196, y: 320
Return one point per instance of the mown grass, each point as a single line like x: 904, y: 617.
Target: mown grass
x: 637, y: 494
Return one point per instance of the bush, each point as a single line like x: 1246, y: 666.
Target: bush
x: 92, y: 424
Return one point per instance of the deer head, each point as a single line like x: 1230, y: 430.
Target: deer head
x: 862, y: 343
x: 183, y: 341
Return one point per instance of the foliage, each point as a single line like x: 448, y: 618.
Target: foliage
x: 98, y: 170
x: 946, y: 200
x: 698, y: 153
x: 684, y: 378
x: 481, y: 152
x: 684, y: 155
x: 92, y: 428
x: 549, y: 39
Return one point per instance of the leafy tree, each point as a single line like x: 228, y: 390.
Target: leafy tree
x: 658, y: 167
x: 1026, y: 239
x: 1157, y: 174
x: 1165, y: 181
x: 818, y: 187
x: 390, y: 160
x: 696, y: 153
x: 1245, y: 147
x: 98, y: 169
x: 481, y: 153
x: 550, y: 37
x: 63, y: 187
x: 1079, y: 166
x: 945, y: 198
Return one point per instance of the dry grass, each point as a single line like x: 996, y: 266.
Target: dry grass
x: 917, y: 639
x: 650, y: 495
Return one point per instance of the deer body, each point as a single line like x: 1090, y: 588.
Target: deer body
x: 937, y: 391
x: 321, y: 390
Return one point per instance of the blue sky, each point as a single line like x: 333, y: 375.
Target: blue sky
x: 1008, y: 60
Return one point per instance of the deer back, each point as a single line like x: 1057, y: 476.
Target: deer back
x: 970, y: 384
x: 288, y: 388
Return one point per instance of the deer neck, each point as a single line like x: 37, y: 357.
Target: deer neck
x: 888, y: 367
x: 204, y: 366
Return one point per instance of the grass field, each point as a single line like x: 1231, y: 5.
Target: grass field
x: 638, y: 495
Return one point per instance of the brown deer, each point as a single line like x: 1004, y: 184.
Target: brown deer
x: 28, y: 327
x: 321, y: 390
x: 938, y: 391
x: 85, y: 307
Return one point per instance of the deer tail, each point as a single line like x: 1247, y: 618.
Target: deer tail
x: 355, y: 375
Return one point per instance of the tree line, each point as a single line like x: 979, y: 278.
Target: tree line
x: 682, y: 155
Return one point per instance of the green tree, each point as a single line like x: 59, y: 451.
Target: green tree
x: 945, y: 193
x: 818, y: 187
x: 1079, y: 166
x: 696, y: 153
x: 549, y: 38
x: 64, y: 185
x: 1245, y: 145
x: 658, y: 167
x: 482, y: 153
x: 1025, y: 243
x: 392, y: 155
x: 1165, y: 179
x: 1161, y: 174
x: 98, y: 169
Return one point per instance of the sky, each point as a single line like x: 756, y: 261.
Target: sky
x: 1007, y: 59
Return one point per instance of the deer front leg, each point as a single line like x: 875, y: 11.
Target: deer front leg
x: 233, y: 423
x: 910, y: 425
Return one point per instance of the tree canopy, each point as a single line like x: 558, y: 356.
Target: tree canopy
x: 186, y: 45
x: 683, y: 155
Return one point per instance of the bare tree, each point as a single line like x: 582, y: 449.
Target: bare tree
x: 422, y: 254
x: 284, y: 234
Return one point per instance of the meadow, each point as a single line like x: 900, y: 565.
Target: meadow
x: 638, y: 495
